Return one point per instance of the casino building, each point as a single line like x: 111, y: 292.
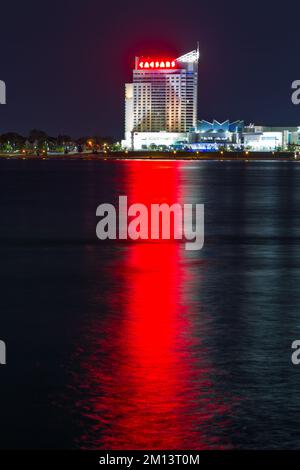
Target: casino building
x: 161, y: 112
x: 161, y: 102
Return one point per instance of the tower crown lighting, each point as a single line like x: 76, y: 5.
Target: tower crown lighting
x: 155, y: 63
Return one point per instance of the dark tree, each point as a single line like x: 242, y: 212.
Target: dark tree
x: 38, y: 136
x: 13, y: 138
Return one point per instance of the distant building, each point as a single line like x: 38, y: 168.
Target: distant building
x: 161, y: 100
x: 144, y: 140
x: 161, y: 111
x: 264, y: 138
x: 212, y: 135
x: 235, y: 135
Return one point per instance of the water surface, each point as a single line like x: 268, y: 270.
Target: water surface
x: 131, y: 345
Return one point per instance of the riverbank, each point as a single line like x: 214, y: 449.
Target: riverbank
x: 154, y: 155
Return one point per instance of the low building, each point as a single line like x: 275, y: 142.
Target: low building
x: 213, y: 135
x: 235, y: 136
x: 268, y: 138
x: 148, y: 140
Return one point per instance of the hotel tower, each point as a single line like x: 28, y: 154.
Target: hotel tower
x: 161, y: 102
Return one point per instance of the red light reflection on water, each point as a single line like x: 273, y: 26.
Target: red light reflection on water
x: 146, y: 387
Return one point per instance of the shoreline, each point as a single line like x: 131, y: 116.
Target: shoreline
x: 167, y: 156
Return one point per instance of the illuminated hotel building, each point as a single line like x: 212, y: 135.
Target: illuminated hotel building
x: 161, y: 102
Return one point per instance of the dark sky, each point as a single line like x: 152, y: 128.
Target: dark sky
x: 65, y: 62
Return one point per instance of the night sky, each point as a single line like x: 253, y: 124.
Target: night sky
x: 65, y: 62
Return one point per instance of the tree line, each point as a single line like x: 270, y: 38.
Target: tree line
x: 40, y: 140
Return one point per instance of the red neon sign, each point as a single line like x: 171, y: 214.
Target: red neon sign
x: 156, y: 64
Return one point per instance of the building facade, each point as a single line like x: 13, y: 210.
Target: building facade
x: 266, y: 138
x: 161, y: 113
x: 213, y: 135
x: 161, y: 99
x: 235, y: 135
